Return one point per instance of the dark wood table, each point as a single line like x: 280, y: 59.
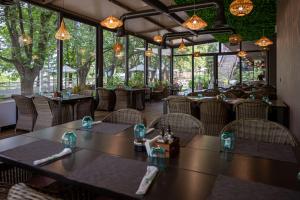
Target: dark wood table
x: 72, y: 100
x: 190, y: 175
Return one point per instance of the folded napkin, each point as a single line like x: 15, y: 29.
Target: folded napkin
x: 97, y: 122
x: 64, y: 152
x: 150, y: 130
x: 147, y: 180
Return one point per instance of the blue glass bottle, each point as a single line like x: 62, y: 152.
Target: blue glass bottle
x: 87, y: 122
x: 139, y: 132
x: 227, y: 141
x: 69, y: 139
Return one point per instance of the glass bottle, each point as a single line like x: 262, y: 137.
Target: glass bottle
x: 139, y: 132
x: 227, y: 141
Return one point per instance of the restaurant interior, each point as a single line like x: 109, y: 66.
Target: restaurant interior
x: 149, y: 99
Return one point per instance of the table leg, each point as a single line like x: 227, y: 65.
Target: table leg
x: 165, y: 107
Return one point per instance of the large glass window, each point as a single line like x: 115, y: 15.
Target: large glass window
x: 207, y: 48
x: 136, y: 62
x: 182, y: 74
x: 166, y: 60
x: 27, y: 49
x: 153, y: 65
x: 203, y: 72
x: 253, y: 68
x: 114, y: 62
x: 79, y: 56
x: 228, y: 70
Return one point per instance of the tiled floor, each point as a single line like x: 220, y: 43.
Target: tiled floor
x: 151, y: 112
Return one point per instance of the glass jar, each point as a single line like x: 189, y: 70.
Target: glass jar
x: 139, y: 132
x: 69, y: 139
x: 227, y: 141
x: 87, y: 122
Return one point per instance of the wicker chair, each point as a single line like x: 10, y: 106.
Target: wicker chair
x: 26, y: 113
x: 122, y: 99
x: 125, y: 116
x: 210, y: 93
x: 252, y: 109
x: 179, y: 104
x: 214, y: 115
x: 84, y: 108
x: 86, y: 92
x: 229, y: 94
x: 178, y: 122
x: 106, y: 99
x: 261, y: 130
x: 47, y: 114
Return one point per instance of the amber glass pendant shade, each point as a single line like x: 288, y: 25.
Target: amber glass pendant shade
x: 264, y: 42
x: 241, y: 8
x: 149, y: 52
x: 62, y: 33
x: 158, y: 38
x: 235, y: 39
x: 195, y: 23
x: 111, y: 22
x: 242, y: 54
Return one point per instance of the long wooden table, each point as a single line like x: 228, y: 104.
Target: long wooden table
x: 190, y: 175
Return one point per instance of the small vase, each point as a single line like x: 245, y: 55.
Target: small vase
x: 69, y: 139
x: 87, y: 122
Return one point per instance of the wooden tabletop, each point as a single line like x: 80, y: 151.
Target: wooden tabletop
x: 190, y: 175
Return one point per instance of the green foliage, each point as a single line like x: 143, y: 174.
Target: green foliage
x: 114, y: 81
x: 136, y: 80
x: 250, y: 27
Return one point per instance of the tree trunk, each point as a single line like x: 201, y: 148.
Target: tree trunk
x: 27, y: 83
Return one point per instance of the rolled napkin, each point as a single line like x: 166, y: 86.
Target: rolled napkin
x: 150, y: 130
x: 97, y: 122
x: 147, y: 180
x: 64, y: 152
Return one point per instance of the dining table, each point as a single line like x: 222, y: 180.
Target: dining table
x: 106, y: 162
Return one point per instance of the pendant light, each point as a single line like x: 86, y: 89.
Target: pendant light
x: 242, y: 54
x: 117, y: 47
x: 182, y: 47
x: 149, y: 52
x: 264, y: 42
x: 241, y: 8
x: 62, y: 33
x: 197, y: 54
x: 158, y: 38
x: 195, y: 22
x: 111, y: 22
x: 235, y: 39
x: 25, y: 40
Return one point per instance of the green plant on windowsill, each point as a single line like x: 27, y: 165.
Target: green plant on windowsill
x: 136, y: 80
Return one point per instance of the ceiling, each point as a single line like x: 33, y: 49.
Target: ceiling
x: 100, y: 9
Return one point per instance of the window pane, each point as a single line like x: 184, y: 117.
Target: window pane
x: 153, y: 65
x: 136, y: 62
x: 204, y: 76
x: 166, y: 59
x: 183, y: 72
x: 28, y: 55
x: 228, y: 70
x: 79, y: 56
x: 207, y: 48
x: 114, y: 63
x: 253, y: 68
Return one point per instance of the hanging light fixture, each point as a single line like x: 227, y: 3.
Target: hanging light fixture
x: 111, y: 22
x: 197, y: 54
x: 158, y: 38
x: 149, y: 52
x: 242, y: 54
x: 182, y: 47
x: 117, y: 47
x: 195, y: 22
x: 25, y: 40
x: 241, y: 8
x: 264, y: 42
x: 235, y: 39
x: 62, y: 33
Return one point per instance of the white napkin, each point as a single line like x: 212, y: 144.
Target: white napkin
x: 150, y: 130
x: 97, y: 122
x: 147, y: 180
x: 64, y: 152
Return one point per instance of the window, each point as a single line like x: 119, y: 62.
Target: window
x: 153, y: 65
x: 28, y: 61
x: 166, y: 60
x: 114, y: 63
x: 79, y: 56
x: 228, y: 70
x: 136, y: 61
x: 203, y: 72
x: 189, y: 50
x: 183, y: 73
x: 207, y: 48
x: 253, y: 68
